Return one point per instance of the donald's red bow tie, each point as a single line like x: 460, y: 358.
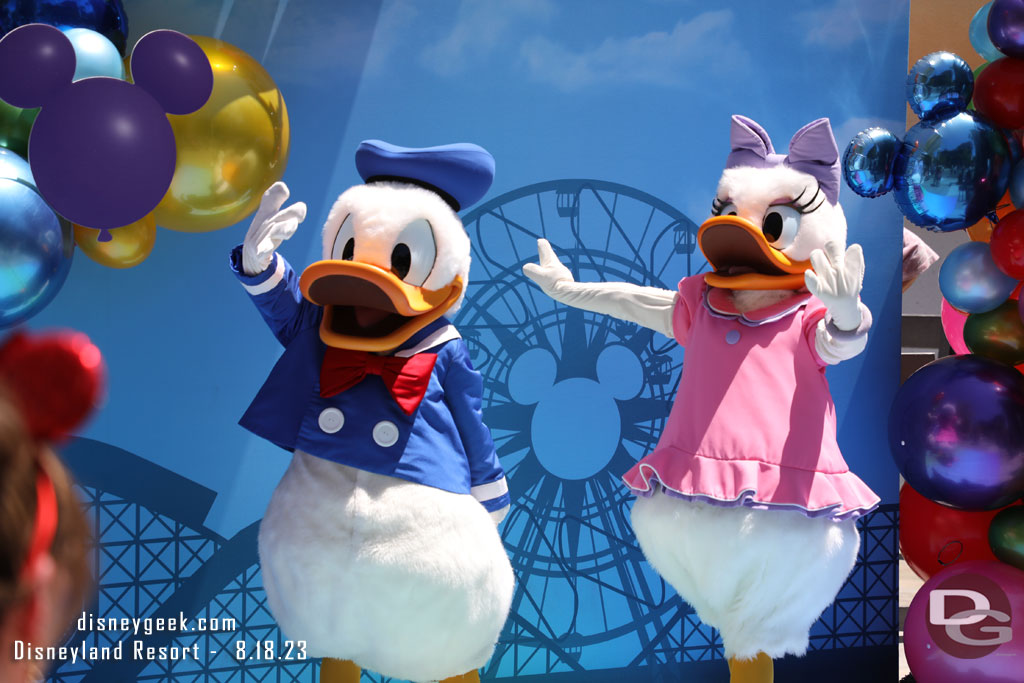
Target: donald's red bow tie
x: 405, y: 378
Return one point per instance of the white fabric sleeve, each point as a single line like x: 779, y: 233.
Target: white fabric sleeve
x: 649, y: 307
x: 835, y: 345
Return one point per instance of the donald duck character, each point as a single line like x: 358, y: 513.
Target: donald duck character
x: 746, y: 505
x: 379, y: 547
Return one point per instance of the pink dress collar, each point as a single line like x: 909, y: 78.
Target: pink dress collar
x: 720, y: 304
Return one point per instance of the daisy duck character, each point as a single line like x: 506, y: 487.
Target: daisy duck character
x: 379, y: 547
x: 746, y: 505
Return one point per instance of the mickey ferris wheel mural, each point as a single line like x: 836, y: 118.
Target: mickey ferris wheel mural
x: 612, y: 162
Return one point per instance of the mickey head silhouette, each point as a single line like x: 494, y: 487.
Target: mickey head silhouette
x: 102, y: 150
x: 577, y: 423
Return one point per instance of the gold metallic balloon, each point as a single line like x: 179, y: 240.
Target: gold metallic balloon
x: 129, y: 245
x: 229, y: 151
x: 997, y: 334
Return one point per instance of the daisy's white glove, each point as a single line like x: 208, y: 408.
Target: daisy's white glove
x: 837, y: 279
x: 269, y: 228
x: 650, y: 307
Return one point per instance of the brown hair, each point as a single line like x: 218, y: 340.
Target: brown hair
x: 20, y: 459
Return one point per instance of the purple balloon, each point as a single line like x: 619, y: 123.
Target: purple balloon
x: 945, y: 643
x: 956, y: 432
x: 36, y: 61
x: 102, y: 153
x: 173, y: 69
x: 1006, y: 27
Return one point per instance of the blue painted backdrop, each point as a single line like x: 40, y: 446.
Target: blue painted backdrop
x: 609, y: 124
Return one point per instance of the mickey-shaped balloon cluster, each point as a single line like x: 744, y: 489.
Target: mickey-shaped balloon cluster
x: 102, y: 150
x: 952, y: 168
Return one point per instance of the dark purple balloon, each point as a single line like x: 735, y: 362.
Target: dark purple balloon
x: 173, y: 69
x: 36, y: 61
x: 956, y: 431
x: 1006, y: 27
x: 102, y: 153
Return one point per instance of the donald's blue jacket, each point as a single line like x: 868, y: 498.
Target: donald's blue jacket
x: 444, y: 443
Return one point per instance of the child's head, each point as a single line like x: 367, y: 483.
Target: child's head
x: 44, y: 538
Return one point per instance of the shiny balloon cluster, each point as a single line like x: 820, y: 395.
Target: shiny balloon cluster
x: 183, y: 132
x: 956, y: 426
x: 950, y: 169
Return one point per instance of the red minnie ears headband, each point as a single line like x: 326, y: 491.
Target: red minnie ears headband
x: 56, y: 380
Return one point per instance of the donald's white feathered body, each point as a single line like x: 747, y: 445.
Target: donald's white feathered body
x: 746, y: 506
x: 379, y: 545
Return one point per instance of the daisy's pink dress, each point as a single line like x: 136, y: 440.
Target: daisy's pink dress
x: 753, y: 423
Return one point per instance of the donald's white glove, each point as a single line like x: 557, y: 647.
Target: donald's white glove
x: 837, y: 279
x: 270, y: 226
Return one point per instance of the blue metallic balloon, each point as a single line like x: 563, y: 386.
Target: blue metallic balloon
x: 956, y: 431
x: 949, y: 173
x: 971, y: 281
x: 14, y: 167
x: 35, y: 252
x: 1017, y: 185
x: 978, y: 32
x: 868, y: 162
x: 939, y: 85
x: 103, y: 16
x: 1006, y: 27
x: 95, y: 55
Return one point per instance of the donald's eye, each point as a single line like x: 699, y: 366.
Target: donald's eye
x: 412, y: 257
x: 780, y: 225
x: 345, y: 242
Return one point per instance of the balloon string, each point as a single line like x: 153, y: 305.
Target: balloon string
x: 104, y: 236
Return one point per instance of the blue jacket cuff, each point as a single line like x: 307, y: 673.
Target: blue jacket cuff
x: 256, y: 284
x: 496, y: 503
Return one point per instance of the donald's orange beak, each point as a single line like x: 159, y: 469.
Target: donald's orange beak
x: 740, y: 257
x: 367, y: 308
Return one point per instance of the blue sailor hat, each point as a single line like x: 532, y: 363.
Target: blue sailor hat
x: 460, y: 173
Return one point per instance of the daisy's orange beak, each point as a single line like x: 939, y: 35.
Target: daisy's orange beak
x: 367, y: 308
x: 740, y: 257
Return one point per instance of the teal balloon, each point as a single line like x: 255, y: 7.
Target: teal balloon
x: 14, y: 167
x: 971, y: 281
x: 36, y: 247
x: 95, y: 55
x: 978, y: 32
x: 1006, y: 536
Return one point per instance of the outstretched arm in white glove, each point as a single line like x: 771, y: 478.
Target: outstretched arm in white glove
x: 650, y: 307
x: 271, y: 225
x: 266, y: 277
x: 836, y: 280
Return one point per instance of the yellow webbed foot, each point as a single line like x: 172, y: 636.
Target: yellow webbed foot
x: 471, y: 677
x: 760, y: 669
x: 339, y: 671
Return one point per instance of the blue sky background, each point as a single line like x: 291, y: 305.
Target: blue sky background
x: 635, y: 93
